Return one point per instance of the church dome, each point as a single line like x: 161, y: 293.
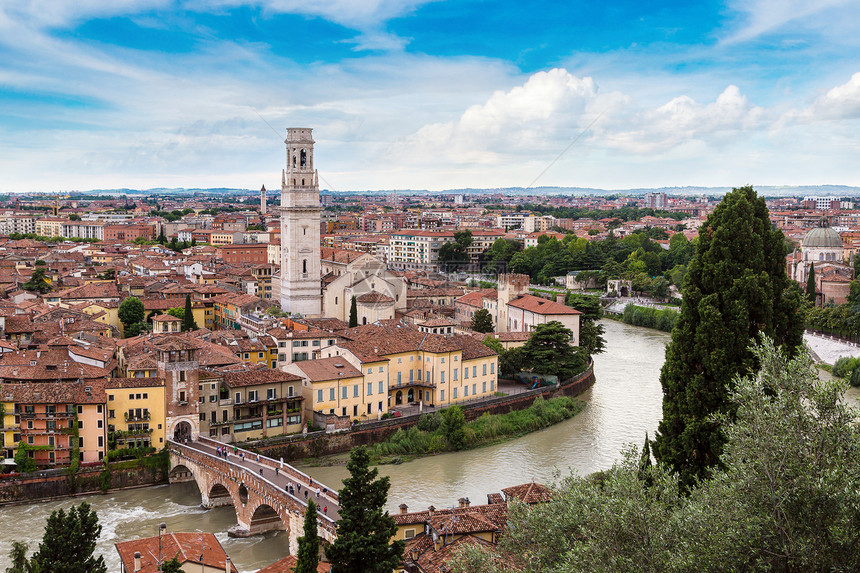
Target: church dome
x: 822, y: 237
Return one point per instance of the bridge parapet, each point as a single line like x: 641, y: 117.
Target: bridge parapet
x: 284, y: 467
x: 260, y: 503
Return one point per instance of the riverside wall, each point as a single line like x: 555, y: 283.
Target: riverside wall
x: 49, y: 484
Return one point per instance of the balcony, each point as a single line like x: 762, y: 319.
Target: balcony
x: 143, y: 416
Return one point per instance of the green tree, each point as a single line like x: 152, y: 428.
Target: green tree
x: 736, y: 287
x: 18, y: 558
x: 453, y: 426
x: 810, y: 284
x: 456, y: 251
x: 364, y: 529
x: 590, y: 332
x: 549, y: 351
x: 23, y: 462
x: 193, y: 241
x: 308, y: 556
x: 69, y: 542
x: 188, y: 322
x: 172, y: 566
x: 38, y: 282
x: 353, y: 312
x: 131, y: 310
x: 482, y: 321
x: 162, y: 239
x: 74, y: 217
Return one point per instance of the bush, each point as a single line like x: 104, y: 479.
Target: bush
x: 659, y: 319
x: 848, y: 368
x: 429, y: 422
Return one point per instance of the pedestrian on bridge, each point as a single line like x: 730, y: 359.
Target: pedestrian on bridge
x: 318, y: 493
x: 261, y: 471
x: 325, y: 510
x: 276, y: 470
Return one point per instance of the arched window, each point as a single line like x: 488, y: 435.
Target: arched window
x: 294, y: 160
x: 304, y: 158
x: 305, y: 266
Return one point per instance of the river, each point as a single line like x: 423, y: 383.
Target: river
x: 623, y: 404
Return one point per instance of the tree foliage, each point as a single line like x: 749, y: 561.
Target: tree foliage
x: 309, y: 544
x: 810, y: 284
x: 38, y: 282
x: 23, y: 462
x: 353, y: 312
x: 482, y: 321
x: 452, y: 426
x: 69, y: 542
x: 736, y: 287
x: 548, y: 351
x: 131, y: 310
x: 785, y: 499
x: 456, y: 251
x: 188, y: 322
x: 172, y: 566
x: 364, y: 529
x: 18, y: 558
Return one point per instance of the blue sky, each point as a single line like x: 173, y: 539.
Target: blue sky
x: 413, y: 94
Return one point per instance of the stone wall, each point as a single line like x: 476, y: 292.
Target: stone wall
x: 322, y: 444
x: 55, y: 483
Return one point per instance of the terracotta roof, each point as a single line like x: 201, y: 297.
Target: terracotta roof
x: 254, y: 376
x: 538, y: 305
x: 166, y: 318
x: 342, y: 256
x: 374, y: 297
x: 528, y: 493
x: 327, y: 369
x: 186, y: 547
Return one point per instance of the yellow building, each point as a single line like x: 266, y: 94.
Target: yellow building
x: 136, y: 412
x: 50, y: 226
x: 334, y: 386
x: 218, y: 238
x: 105, y: 313
x: 8, y: 429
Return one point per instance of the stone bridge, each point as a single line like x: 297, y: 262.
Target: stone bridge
x: 257, y: 487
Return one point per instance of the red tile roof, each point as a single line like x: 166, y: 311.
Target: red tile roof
x: 186, y: 547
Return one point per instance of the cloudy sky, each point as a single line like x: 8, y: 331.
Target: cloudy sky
x: 414, y: 94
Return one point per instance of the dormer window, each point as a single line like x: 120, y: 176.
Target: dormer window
x: 32, y: 363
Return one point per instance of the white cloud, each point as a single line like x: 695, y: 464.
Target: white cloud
x: 759, y: 17
x: 839, y: 103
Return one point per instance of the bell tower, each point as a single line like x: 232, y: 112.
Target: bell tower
x: 300, y: 227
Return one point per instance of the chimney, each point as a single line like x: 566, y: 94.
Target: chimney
x: 137, y: 566
x: 431, y: 510
x: 462, y: 502
x: 404, y: 509
x: 466, y: 500
x: 227, y: 567
x: 559, y: 298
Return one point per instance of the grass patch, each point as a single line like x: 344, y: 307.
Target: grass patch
x: 429, y: 436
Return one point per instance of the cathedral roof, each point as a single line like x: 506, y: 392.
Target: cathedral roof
x: 824, y: 237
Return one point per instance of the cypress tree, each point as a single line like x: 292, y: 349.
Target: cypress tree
x: 188, y: 322
x: 810, y: 284
x: 736, y: 288
x: 308, y: 556
x: 353, y: 312
x: 364, y: 529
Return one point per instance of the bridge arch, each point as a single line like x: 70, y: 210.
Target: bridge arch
x: 265, y: 518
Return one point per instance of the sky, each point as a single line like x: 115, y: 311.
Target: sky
x: 422, y: 94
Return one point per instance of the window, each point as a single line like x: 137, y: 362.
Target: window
x: 474, y: 371
x: 331, y: 393
x: 455, y: 358
x: 465, y: 391
x: 252, y: 395
x: 484, y: 387
x: 380, y: 387
x: 355, y: 410
x: 466, y: 373
x: 81, y: 410
x: 213, y: 398
x: 370, y: 388
x: 455, y: 393
x: 492, y: 367
x: 380, y: 369
x: 442, y: 377
x: 238, y: 398
x: 443, y: 360
x: 274, y: 422
x: 441, y: 395
x: 271, y: 394
x: 290, y: 390
x: 80, y: 424
x: 182, y: 396
x: 485, y: 369
x: 52, y: 424
x: 492, y: 385
x: 474, y: 388
x: 99, y: 424
x: 110, y: 397
x: 259, y: 355
x: 343, y: 392
x: 455, y: 375
x: 355, y: 391
x: 427, y: 376
x: 399, y: 378
x: 370, y: 370
x: 409, y: 534
x: 111, y: 414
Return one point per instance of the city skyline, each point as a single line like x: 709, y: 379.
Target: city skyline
x: 428, y: 95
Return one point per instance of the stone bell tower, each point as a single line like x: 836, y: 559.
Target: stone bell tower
x: 176, y: 362
x: 300, y: 227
